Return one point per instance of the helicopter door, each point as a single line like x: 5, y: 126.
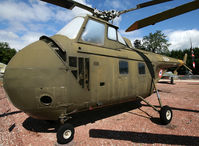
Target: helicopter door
x: 123, y: 79
x: 142, y: 79
x: 104, y: 80
x: 99, y: 81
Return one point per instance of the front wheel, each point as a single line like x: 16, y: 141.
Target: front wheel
x: 166, y: 115
x: 65, y: 134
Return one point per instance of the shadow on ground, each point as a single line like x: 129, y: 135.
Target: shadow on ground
x: 84, y: 118
x: 79, y: 119
x: 141, y: 137
x: 40, y: 125
x: 175, y: 108
x: 10, y: 113
x: 166, y: 82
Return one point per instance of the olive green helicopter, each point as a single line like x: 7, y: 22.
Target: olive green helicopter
x: 88, y: 65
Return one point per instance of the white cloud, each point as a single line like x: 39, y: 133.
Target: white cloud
x: 180, y: 39
x: 24, y: 22
x: 117, y: 21
x: 36, y: 11
x: 7, y: 35
x: 133, y: 35
x: 19, y: 42
x: 117, y: 4
x: 42, y: 12
x: 31, y: 37
x: 24, y: 12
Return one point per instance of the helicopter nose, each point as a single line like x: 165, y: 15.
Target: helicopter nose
x: 31, y: 77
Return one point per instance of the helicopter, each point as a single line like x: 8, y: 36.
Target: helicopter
x: 87, y: 65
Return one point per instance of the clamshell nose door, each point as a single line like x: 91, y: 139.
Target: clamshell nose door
x: 35, y: 67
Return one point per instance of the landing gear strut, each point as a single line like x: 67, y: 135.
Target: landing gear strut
x: 165, y: 112
x: 65, y: 133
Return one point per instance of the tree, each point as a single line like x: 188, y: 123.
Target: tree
x: 156, y: 42
x: 179, y: 54
x: 137, y: 44
x: 6, y: 53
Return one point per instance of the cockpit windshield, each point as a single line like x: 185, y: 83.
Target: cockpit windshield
x: 72, y: 28
x: 94, y: 32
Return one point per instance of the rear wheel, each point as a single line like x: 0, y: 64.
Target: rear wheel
x: 65, y: 134
x: 172, y: 80
x: 166, y: 115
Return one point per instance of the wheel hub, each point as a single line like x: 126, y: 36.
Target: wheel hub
x: 168, y: 114
x: 67, y: 134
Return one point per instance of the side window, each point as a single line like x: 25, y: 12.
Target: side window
x: 112, y: 34
x: 94, y: 32
x: 123, y: 67
x: 120, y: 39
x: 141, y: 68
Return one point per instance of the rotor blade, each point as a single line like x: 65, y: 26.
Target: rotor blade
x: 150, y: 3
x: 187, y: 68
x: 142, y: 5
x: 164, y: 15
x: 69, y: 4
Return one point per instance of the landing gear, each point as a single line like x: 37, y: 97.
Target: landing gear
x: 172, y: 80
x: 165, y: 112
x: 65, y: 133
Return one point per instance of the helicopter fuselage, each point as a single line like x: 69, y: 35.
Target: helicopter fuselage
x: 62, y: 75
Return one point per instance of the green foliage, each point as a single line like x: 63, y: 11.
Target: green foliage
x: 138, y: 45
x: 6, y: 53
x: 156, y: 42
x: 179, y: 54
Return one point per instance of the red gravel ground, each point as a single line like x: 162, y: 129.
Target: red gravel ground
x: 126, y: 124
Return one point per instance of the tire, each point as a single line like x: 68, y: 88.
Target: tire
x: 166, y: 115
x: 65, y: 134
x: 172, y: 80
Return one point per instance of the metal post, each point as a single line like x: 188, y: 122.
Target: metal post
x: 148, y: 103
x: 158, y: 95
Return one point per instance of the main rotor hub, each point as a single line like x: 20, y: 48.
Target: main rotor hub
x: 106, y: 15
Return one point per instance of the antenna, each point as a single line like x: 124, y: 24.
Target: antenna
x: 192, y: 54
x: 190, y: 42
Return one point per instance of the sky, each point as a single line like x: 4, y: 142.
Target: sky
x: 24, y: 21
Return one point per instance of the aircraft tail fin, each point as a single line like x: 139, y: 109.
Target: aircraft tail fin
x: 183, y: 63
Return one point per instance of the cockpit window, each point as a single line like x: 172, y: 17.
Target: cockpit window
x: 94, y: 32
x: 72, y: 28
x: 112, y: 33
x: 120, y: 39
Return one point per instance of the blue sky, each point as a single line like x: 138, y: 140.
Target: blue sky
x: 24, y: 21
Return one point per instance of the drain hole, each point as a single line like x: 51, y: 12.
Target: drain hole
x: 46, y: 100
